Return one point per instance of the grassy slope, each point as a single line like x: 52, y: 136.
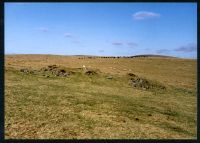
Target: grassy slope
x: 96, y: 107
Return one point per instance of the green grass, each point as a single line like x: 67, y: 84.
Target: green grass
x: 94, y: 107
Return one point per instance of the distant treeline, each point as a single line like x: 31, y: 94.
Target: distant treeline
x: 93, y: 57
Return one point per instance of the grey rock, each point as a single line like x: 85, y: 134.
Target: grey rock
x: 109, y: 77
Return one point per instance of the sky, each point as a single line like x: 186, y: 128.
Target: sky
x: 101, y: 29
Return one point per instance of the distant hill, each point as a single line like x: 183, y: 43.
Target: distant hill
x: 151, y: 55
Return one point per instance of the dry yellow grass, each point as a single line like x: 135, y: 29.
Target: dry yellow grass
x: 178, y: 72
x: 91, y: 108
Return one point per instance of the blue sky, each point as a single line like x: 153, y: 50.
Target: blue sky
x: 105, y: 29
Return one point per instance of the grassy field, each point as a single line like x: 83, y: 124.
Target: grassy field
x: 96, y: 107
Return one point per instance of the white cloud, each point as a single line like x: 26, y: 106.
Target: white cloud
x: 145, y: 15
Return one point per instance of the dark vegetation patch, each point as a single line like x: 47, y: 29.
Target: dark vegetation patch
x: 131, y: 74
x: 170, y: 112
x: 183, y: 90
x: 137, y: 119
x: 90, y: 72
x: 144, y: 84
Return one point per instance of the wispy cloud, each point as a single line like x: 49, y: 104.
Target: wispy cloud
x: 101, y: 51
x: 117, y: 43
x: 191, y: 47
x: 76, y: 41
x: 132, y: 44
x: 42, y: 29
x: 162, y: 51
x: 68, y: 35
x: 129, y: 44
x: 141, y: 15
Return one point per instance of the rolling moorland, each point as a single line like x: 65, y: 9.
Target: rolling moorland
x: 79, y: 97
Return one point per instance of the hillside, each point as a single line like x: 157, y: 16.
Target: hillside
x: 48, y: 96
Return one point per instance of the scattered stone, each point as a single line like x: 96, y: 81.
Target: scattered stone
x: 53, y: 70
x: 109, y: 77
x: 65, y: 74
x: 56, y: 71
x: 24, y: 70
x: 149, y: 114
x: 27, y: 71
x: 71, y: 72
